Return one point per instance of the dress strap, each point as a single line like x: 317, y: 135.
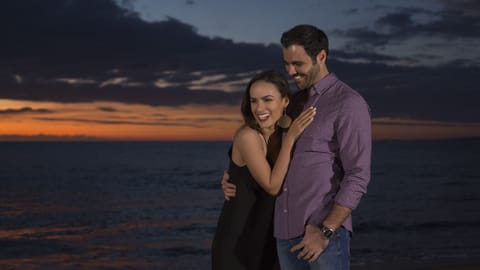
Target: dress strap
x: 264, y: 142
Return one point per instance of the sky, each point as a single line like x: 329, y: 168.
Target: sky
x: 176, y: 70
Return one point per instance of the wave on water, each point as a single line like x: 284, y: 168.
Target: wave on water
x: 155, y: 205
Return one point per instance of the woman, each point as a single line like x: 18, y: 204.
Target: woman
x: 244, y: 235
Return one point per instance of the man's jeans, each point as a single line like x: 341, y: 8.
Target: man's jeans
x: 336, y: 255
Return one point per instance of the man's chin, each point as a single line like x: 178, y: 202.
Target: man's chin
x: 300, y: 86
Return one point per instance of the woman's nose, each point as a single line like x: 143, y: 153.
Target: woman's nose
x: 260, y: 106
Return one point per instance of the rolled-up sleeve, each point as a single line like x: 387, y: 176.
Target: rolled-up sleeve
x: 354, y: 136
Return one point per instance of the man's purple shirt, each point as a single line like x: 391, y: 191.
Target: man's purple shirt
x: 331, y: 160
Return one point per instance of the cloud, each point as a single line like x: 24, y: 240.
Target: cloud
x: 409, y: 122
x: 446, y: 93
x: 25, y: 110
x: 456, y: 19
x: 363, y: 56
x: 100, y: 48
x: 107, y: 109
x: 18, y: 78
x: 109, y: 122
x: 186, y: 122
x: 121, y: 81
x: 88, y: 51
x: 47, y: 138
x: 150, y: 95
x: 450, y: 33
x: 464, y: 7
x: 78, y: 36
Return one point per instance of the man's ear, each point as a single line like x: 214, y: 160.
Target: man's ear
x: 322, y: 56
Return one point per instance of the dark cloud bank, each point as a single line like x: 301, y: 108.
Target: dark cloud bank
x: 97, y: 40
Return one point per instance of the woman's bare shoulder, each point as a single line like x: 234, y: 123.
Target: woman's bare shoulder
x: 245, y: 141
x: 245, y: 133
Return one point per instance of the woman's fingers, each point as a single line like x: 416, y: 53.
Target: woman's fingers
x: 306, y: 117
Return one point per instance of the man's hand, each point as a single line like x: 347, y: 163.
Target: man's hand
x: 312, y: 245
x: 229, y: 189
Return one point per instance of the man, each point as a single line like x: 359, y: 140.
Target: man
x: 330, y: 168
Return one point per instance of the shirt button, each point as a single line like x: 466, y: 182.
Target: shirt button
x: 285, y: 189
x: 284, y: 210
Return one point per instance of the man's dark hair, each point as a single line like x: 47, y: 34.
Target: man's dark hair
x: 310, y: 37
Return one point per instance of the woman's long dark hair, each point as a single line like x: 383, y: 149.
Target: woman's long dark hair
x: 277, y: 79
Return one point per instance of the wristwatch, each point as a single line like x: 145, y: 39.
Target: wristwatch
x: 327, y: 232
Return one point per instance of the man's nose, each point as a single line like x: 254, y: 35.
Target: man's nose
x: 290, y: 70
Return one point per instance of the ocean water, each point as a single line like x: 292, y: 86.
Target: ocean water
x: 154, y: 205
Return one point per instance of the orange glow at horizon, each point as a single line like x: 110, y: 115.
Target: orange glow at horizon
x: 408, y: 129
x: 119, y: 121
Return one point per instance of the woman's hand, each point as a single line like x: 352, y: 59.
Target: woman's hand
x: 300, y: 123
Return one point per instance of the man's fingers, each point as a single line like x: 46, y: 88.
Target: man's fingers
x: 226, y: 185
x: 315, y: 257
x: 225, y: 176
x: 308, y: 255
x: 230, y: 193
x: 229, y: 188
x: 224, y: 181
x: 297, y: 247
x: 302, y: 254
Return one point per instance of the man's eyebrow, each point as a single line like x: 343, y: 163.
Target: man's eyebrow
x: 293, y: 62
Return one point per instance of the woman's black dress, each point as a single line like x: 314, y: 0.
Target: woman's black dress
x: 244, y: 236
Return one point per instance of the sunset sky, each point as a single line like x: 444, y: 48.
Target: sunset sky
x: 176, y: 70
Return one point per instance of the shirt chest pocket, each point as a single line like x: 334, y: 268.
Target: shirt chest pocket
x: 311, y: 152
x: 318, y: 144
x: 318, y: 136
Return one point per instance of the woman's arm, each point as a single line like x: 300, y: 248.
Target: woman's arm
x: 251, y: 149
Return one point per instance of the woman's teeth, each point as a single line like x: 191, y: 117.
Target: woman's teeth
x: 263, y: 116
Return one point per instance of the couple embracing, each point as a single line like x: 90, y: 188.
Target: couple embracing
x: 292, y: 185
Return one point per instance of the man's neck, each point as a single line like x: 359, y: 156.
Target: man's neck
x: 322, y: 74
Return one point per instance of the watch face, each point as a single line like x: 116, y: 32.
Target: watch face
x: 327, y: 232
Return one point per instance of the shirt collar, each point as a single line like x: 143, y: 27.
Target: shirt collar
x: 321, y: 86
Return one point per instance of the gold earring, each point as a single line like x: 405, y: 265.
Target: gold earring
x: 285, y: 121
